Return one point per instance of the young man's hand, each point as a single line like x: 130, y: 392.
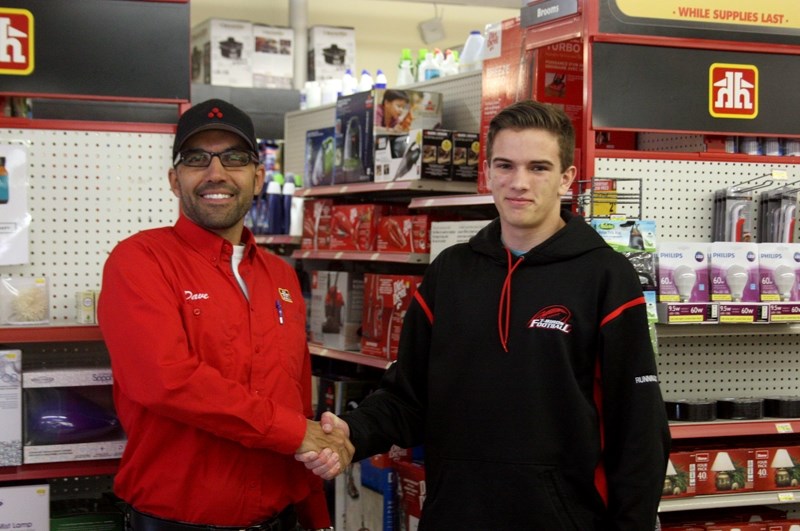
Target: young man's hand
x: 326, y: 460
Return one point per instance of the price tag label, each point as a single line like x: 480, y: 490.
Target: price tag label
x: 784, y: 427
x: 786, y: 497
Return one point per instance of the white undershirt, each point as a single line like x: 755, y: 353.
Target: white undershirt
x: 236, y: 258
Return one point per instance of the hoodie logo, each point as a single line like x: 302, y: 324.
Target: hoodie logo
x: 552, y: 318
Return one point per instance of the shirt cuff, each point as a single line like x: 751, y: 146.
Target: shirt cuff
x: 287, y: 429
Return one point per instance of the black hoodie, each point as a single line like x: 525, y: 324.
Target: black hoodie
x: 532, y: 383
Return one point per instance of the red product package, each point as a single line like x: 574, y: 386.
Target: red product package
x: 355, y: 227
x: 405, y: 234
x: 386, y: 299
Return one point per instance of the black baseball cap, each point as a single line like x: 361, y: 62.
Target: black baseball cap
x: 214, y: 114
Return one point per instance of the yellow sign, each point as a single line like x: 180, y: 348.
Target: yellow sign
x: 16, y: 41
x: 765, y: 13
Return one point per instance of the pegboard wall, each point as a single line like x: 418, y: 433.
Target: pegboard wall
x: 87, y: 191
x: 678, y: 195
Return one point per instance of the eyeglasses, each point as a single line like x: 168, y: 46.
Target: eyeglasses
x: 200, y: 158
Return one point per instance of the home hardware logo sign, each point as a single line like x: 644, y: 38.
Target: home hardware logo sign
x: 16, y: 41
x: 733, y: 91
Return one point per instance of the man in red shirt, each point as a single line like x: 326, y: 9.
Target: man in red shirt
x: 206, y: 333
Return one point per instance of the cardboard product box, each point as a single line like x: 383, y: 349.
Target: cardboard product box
x: 337, y: 301
x: 386, y: 299
x: 420, y: 154
x: 355, y: 227
x: 86, y: 515
x: 412, y: 492
x: 363, y: 116
x: 316, y: 224
x: 384, y: 482
x: 777, y: 468
x: 404, y: 234
x: 556, y: 72
x: 734, y: 272
x: 25, y: 507
x: 683, y: 272
x: 81, y: 398
x: 319, y: 158
x: 680, y: 479
x: 466, y: 152
x: 222, y: 52
x: 729, y: 471
x: 273, y: 56
x: 86, y: 306
x: 10, y: 408
x: 331, y: 51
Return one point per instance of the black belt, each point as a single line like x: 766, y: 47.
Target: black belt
x: 286, y: 520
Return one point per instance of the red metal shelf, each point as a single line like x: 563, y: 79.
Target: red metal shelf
x: 370, y: 256
x: 49, y: 334
x: 59, y: 470
x: 731, y: 428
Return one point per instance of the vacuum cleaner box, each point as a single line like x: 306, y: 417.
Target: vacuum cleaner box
x: 386, y: 299
x: 11, y: 410
x: 337, y: 300
x: 273, y: 56
x: 404, y: 234
x: 222, y: 52
x: 420, y: 154
x: 68, y: 415
x: 319, y: 157
x: 363, y: 116
x: 316, y: 224
x: 355, y: 227
x: 331, y: 51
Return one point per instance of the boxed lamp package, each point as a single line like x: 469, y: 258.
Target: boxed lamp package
x: 680, y: 479
x: 683, y: 272
x: 363, y: 116
x: 777, y: 468
x: 222, y: 52
x: 729, y: 471
x: 68, y: 415
x: 337, y: 299
x: 420, y: 154
x: 386, y: 299
x: 10, y: 408
x: 273, y: 56
x: 25, y: 507
x: 319, y: 157
x: 331, y: 51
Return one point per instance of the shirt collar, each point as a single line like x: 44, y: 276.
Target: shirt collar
x: 210, y: 245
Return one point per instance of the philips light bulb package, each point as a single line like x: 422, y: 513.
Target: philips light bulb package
x: 734, y: 272
x: 683, y: 272
x: 779, y: 264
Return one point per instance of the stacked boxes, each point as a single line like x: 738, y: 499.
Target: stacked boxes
x: 355, y: 227
x: 10, y: 408
x: 238, y: 53
x: 331, y: 51
x: 316, y: 224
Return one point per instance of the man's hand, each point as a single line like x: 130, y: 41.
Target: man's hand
x: 325, y: 460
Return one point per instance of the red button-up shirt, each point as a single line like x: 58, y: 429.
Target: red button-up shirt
x: 213, y: 389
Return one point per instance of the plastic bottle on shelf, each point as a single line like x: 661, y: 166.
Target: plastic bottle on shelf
x: 405, y: 69
x: 287, y: 197
x: 313, y: 92
x: 274, y: 214
x: 365, y: 83
x: 450, y: 64
x: 348, y: 83
x: 472, y: 55
x: 418, y: 74
x: 380, y: 79
x: 428, y: 69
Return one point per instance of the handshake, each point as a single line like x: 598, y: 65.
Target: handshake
x: 326, y: 449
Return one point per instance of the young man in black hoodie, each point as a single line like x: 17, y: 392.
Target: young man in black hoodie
x: 525, y: 366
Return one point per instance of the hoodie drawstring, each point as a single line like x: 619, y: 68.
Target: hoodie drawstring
x: 504, y: 312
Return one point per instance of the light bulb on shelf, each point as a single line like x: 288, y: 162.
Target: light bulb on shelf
x: 736, y: 277
x: 784, y: 277
x: 684, y: 278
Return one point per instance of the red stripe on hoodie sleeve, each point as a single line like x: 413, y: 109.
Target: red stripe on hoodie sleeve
x: 613, y: 315
x: 424, y: 306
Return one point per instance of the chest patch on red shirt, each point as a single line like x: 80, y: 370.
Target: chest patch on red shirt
x: 552, y: 318
x: 285, y: 294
